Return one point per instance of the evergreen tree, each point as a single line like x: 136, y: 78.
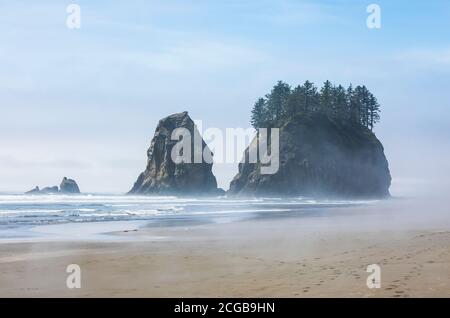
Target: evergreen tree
x: 353, y: 105
x: 374, y: 111
x: 364, y: 106
x: 326, y: 98
x: 277, y: 103
x: 259, y: 114
x: 340, y: 110
x: 357, y: 105
x: 311, y: 97
x: 295, y: 102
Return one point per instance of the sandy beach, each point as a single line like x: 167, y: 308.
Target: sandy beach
x: 324, y: 254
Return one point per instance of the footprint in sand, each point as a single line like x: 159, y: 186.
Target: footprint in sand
x: 390, y: 287
x: 357, y: 276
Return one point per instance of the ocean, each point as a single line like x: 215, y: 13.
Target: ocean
x: 20, y: 213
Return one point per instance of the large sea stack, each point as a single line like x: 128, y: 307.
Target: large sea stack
x: 320, y: 156
x: 163, y: 176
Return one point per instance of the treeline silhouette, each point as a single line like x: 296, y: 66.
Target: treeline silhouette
x: 351, y: 105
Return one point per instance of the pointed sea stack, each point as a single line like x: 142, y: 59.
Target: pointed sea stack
x: 162, y: 176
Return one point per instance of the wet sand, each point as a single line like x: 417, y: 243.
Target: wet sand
x: 322, y: 255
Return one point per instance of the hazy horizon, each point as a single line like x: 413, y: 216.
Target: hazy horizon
x: 84, y: 103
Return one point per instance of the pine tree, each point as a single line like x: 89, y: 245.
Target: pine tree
x: 326, y: 98
x: 364, y: 106
x: 311, y: 97
x: 356, y: 106
x: 295, y: 102
x: 374, y: 111
x: 259, y: 114
x: 277, y: 103
x: 353, y: 105
x: 340, y: 103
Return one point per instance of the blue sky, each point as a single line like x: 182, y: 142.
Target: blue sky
x: 85, y: 102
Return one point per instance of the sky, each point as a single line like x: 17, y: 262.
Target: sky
x: 84, y: 103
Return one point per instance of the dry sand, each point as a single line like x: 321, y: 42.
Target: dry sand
x: 323, y: 255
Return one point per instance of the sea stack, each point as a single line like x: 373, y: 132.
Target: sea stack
x: 163, y: 176
x: 320, y: 156
x: 69, y: 186
x: 45, y: 190
x: 36, y: 190
x: 49, y: 190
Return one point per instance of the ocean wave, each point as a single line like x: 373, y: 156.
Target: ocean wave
x: 48, y: 209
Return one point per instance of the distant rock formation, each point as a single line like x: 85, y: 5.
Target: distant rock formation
x: 69, y: 186
x: 33, y: 191
x: 163, y: 176
x: 49, y: 190
x: 320, y: 156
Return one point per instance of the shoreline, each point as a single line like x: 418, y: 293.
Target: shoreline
x: 320, y: 255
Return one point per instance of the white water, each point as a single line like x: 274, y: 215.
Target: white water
x: 26, y: 210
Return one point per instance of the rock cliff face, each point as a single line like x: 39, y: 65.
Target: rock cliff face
x: 320, y: 157
x: 162, y: 175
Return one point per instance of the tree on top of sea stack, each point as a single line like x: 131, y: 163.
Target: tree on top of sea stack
x: 326, y: 144
x: 354, y: 105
